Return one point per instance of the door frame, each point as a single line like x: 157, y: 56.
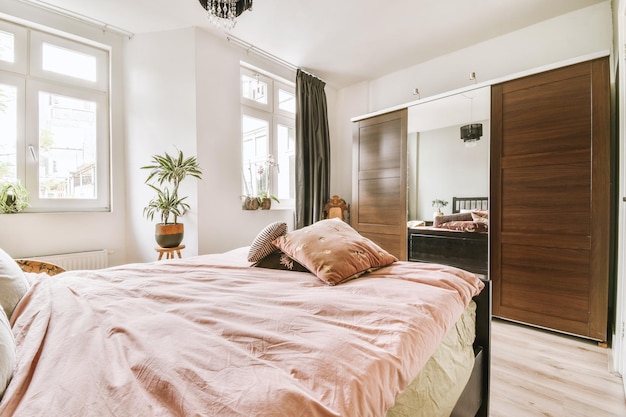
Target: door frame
x: 619, y: 342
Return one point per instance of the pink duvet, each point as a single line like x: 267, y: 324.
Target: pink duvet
x: 210, y: 336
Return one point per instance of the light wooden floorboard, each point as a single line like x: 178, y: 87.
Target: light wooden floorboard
x: 536, y: 372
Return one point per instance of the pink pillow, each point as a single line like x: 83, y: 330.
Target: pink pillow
x: 333, y: 251
x: 480, y: 216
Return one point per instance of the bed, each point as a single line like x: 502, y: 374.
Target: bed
x: 460, y: 239
x: 221, y: 335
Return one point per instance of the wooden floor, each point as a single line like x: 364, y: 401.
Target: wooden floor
x: 540, y: 373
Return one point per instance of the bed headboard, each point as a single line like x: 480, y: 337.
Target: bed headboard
x: 469, y: 203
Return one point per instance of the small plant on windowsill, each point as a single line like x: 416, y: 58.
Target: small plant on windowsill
x: 439, y: 204
x: 262, y: 198
x: 13, y: 197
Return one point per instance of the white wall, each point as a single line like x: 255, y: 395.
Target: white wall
x: 183, y: 90
x: 447, y: 168
x: 223, y: 225
x: 30, y: 234
x: 160, y: 117
x: 576, y: 34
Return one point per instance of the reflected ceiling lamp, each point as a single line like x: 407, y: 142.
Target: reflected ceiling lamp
x: 471, y: 133
x: 223, y: 13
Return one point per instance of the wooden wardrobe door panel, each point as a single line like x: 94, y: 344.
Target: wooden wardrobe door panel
x: 379, y: 202
x: 550, y: 199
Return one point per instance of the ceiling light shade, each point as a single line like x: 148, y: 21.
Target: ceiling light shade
x: 471, y: 133
x: 223, y: 13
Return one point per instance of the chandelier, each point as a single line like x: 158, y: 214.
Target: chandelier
x: 222, y: 13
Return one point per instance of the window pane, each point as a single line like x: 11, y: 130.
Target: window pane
x: 7, y: 46
x: 8, y: 133
x: 286, y: 101
x: 67, y: 147
x: 286, y: 188
x: 255, y: 150
x: 254, y: 89
x: 68, y: 62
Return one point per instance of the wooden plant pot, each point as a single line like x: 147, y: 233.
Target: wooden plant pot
x: 266, y: 203
x: 169, y: 235
x: 251, y: 203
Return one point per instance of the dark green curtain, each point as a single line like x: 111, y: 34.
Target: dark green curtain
x: 312, y: 149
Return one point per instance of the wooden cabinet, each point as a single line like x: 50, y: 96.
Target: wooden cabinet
x: 379, y: 202
x: 550, y: 199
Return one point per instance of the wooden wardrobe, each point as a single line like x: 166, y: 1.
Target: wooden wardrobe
x: 550, y: 215
x: 379, y: 166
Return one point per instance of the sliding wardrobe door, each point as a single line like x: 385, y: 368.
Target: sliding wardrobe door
x: 379, y: 203
x: 550, y: 199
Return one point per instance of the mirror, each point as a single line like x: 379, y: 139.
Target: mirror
x: 440, y: 164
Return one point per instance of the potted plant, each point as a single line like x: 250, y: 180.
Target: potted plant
x: 13, y: 197
x: 168, y: 172
x: 439, y: 204
x: 263, y: 198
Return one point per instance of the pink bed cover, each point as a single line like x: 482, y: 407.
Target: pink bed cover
x: 210, y: 336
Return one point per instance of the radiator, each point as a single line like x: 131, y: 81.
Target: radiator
x: 96, y: 259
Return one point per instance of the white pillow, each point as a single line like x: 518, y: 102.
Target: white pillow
x: 7, y: 352
x: 13, y: 283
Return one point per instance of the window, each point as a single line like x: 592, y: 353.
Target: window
x: 268, y: 108
x: 54, y: 118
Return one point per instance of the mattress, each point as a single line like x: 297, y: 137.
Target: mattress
x: 450, y: 366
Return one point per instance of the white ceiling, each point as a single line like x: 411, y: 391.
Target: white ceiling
x: 341, y: 41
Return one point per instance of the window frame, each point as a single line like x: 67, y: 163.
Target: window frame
x: 101, y: 202
x: 271, y: 113
x: 20, y: 47
x: 27, y: 72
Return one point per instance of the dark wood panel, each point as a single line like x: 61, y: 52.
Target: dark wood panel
x: 551, y: 117
x: 380, y: 146
x: 388, y: 242
x: 550, y: 199
x: 379, y: 204
x: 562, y: 291
x: 548, y: 240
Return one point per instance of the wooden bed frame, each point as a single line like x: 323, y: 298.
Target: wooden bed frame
x: 474, y: 401
x: 469, y: 203
x: 468, y: 251
x: 465, y: 250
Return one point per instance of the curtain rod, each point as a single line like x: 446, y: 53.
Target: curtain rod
x: 79, y: 17
x: 251, y: 48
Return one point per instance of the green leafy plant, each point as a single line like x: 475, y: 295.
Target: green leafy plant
x: 167, y: 172
x: 13, y: 197
x: 261, y: 172
x: 264, y: 194
x: 439, y: 204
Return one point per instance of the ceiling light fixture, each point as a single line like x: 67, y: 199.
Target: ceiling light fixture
x: 471, y: 133
x: 223, y: 13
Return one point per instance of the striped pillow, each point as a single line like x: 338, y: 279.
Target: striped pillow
x: 262, y: 244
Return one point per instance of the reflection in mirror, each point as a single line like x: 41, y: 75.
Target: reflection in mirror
x: 440, y: 164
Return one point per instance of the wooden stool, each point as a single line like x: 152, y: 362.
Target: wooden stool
x: 169, y: 252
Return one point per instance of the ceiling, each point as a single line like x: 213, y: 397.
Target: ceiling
x: 341, y: 41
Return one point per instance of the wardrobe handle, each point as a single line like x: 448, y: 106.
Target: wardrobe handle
x: 32, y: 152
